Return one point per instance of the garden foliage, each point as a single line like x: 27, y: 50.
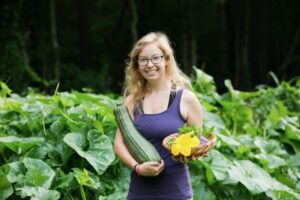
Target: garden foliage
x: 61, y: 146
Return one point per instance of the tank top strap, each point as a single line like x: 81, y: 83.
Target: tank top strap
x: 172, y: 94
x: 138, y: 108
x: 177, y: 100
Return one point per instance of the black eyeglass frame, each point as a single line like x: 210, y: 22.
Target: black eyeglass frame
x: 148, y: 59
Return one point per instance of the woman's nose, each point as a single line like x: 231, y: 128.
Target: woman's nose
x: 149, y: 64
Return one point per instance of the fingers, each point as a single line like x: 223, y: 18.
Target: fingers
x: 194, y: 158
x: 175, y: 158
x: 184, y: 159
x: 151, y: 168
x: 161, y: 166
x: 154, y: 164
x: 205, y: 154
x: 181, y: 158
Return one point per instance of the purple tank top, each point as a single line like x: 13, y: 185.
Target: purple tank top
x: 173, y: 183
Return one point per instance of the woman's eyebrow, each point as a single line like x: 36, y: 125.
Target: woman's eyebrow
x: 157, y: 54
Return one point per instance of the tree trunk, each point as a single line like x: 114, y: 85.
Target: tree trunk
x: 194, y: 57
x: 183, y: 6
x: 84, y: 35
x: 192, y: 40
x: 134, y: 21
x: 121, y: 19
x: 245, y: 64
x: 259, y: 42
x: 185, y: 47
x: 289, y: 55
x: 237, y: 43
x: 42, y: 40
x: 223, y: 38
x: 23, y: 37
x: 242, y: 78
x: 55, y: 45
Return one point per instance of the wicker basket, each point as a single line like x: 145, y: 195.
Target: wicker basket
x: 198, y: 151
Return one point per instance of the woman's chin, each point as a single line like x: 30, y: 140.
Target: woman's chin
x: 151, y: 76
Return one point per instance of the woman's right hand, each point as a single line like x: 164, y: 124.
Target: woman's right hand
x: 150, y: 168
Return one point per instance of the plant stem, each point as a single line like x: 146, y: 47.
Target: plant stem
x: 264, y: 132
x: 234, y: 127
x: 82, y: 192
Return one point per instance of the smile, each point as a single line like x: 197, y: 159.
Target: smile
x: 152, y: 70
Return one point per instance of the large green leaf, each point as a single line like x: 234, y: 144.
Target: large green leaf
x: 85, y: 97
x: 230, y: 141
x: 278, y: 112
x: 232, y: 92
x: 32, y: 177
x: 213, y: 120
x: 251, y: 176
x: 15, y: 172
x: 204, y: 83
x: 238, y: 115
x: 294, y: 160
x: 292, y: 132
x: 270, y: 161
x: 116, y: 188
x: 4, y: 90
x: 282, y: 195
x: 218, y: 164
x: 5, y: 187
x: 270, y: 146
x: 99, y: 153
x: 38, y: 174
x: 255, y: 179
x: 200, y: 189
x: 67, y: 99
x: 20, y: 145
x: 38, y: 193
x: 62, y: 180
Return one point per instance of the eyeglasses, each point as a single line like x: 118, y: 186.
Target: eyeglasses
x: 154, y: 59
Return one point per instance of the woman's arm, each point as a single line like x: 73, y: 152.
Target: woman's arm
x: 145, y: 169
x: 122, y: 151
x: 191, y: 109
x: 119, y: 146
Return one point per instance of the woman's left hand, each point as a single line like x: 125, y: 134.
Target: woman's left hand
x: 150, y: 168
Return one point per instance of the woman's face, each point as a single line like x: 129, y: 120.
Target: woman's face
x: 151, y: 62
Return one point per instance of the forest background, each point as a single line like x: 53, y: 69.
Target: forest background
x: 83, y: 44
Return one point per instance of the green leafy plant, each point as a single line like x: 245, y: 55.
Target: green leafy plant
x: 61, y: 146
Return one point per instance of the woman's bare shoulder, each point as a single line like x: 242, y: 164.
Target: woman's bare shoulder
x: 191, y: 107
x: 188, y: 96
x: 128, y: 102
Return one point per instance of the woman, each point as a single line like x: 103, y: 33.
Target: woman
x: 159, y: 103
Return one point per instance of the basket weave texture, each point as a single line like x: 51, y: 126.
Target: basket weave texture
x: 197, y: 151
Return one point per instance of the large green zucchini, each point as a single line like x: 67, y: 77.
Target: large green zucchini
x: 138, y: 146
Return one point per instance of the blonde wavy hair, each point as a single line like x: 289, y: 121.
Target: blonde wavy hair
x: 135, y: 84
